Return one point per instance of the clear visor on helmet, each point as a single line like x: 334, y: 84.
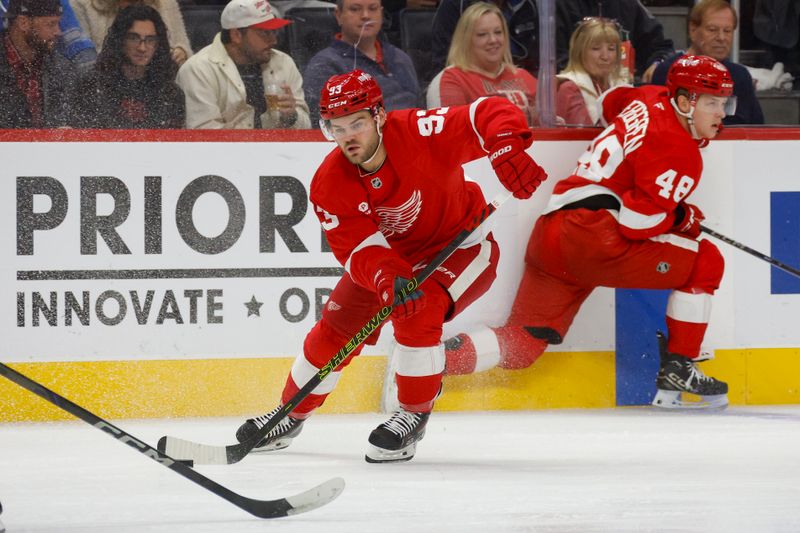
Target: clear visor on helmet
x: 346, y: 126
x: 324, y: 125
x: 714, y: 104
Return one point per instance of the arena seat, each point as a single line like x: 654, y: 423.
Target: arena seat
x: 313, y: 30
x: 416, y: 31
x: 202, y: 24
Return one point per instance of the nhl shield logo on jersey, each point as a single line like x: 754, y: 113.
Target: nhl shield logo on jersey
x: 663, y: 267
x: 376, y: 182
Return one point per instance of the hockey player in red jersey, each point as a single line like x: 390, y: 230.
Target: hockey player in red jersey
x: 622, y: 219
x: 389, y: 198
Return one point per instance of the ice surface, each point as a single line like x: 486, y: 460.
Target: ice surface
x: 616, y: 470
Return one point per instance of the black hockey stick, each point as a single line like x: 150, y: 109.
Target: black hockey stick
x: 299, y: 503
x: 771, y: 260
x: 233, y: 453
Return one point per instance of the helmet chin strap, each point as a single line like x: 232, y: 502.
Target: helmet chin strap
x: 380, y: 140
x: 688, y: 116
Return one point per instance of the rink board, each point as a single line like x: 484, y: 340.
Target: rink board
x: 227, y: 387
x: 176, y: 274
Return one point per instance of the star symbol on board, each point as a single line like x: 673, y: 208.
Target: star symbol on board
x: 253, y: 306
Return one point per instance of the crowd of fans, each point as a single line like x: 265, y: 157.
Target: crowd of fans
x: 129, y: 63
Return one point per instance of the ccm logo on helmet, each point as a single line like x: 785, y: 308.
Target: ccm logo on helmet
x: 501, y: 151
x: 337, y: 104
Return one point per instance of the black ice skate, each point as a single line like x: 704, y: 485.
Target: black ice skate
x: 396, y: 439
x: 678, y: 375
x: 277, y: 439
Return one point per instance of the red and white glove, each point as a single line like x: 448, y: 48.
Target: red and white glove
x: 392, y: 276
x: 687, y: 220
x: 517, y: 171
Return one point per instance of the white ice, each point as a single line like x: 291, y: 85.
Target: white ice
x: 615, y: 470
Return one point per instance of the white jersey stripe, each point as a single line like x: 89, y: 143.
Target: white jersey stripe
x: 557, y: 201
x: 637, y: 221
x: 472, y: 109
x: 677, y: 240
x: 472, y: 272
x: 376, y: 239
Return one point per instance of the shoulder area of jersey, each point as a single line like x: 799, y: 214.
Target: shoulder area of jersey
x: 335, y: 169
x: 336, y: 182
x: 652, y: 100
x: 399, y: 124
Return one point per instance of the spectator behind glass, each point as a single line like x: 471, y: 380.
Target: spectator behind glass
x: 479, y: 64
x: 133, y: 82
x: 226, y: 82
x: 36, y: 83
x: 711, y: 27
x: 644, y: 31
x: 358, y: 46
x: 96, y: 17
x: 521, y: 16
x: 74, y: 43
x: 593, y: 68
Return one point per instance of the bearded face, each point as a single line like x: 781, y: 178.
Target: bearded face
x: 42, y: 33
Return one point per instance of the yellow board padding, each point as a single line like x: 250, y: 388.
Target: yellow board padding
x: 766, y: 376
x: 246, y: 387
x: 555, y: 380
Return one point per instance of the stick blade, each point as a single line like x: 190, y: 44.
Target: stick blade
x: 309, y: 500
x: 317, y: 496
x: 186, y: 450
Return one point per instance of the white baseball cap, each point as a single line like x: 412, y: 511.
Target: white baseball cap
x: 251, y: 14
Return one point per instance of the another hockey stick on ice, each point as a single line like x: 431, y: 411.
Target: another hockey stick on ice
x: 771, y: 260
x: 299, y: 503
x: 233, y: 453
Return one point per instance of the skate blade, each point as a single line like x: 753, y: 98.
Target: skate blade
x: 684, y: 401
x: 382, y: 455
x: 273, y: 446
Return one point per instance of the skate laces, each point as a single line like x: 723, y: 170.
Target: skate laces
x: 402, y: 422
x: 284, y: 425
x: 696, y: 375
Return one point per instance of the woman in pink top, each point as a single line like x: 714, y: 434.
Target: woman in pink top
x: 593, y: 68
x: 479, y: 64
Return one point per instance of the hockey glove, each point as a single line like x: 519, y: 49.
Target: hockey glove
x: 389, y: 280
x: 517, y: 171
x: 687, y: 220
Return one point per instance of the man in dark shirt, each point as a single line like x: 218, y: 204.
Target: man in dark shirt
x: 711, y: 27
x: 35, y: 82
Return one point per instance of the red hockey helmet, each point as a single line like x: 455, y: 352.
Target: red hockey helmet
x: 699, y: 75
x: 348, y: 93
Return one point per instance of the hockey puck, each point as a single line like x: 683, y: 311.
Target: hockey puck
x: 187, y: 462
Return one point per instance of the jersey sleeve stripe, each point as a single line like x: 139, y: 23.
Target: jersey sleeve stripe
x: 376, y: 239
x: 677, y: 240
x: 637, y: 221
x: 472, y: 110
x: 559, y: 200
